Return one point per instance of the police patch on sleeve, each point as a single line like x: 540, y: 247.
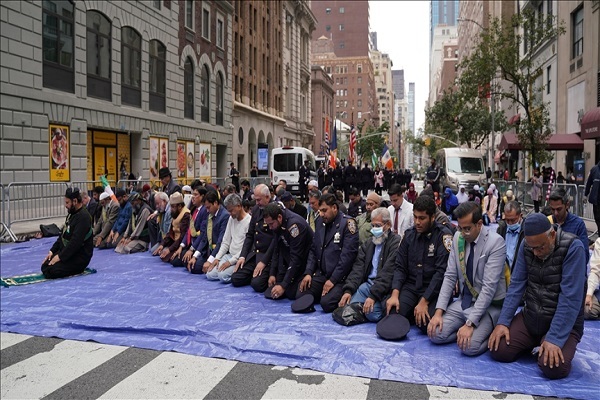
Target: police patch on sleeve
x: 447, y: 242
x: 294, y: 230
x: 352, y: 225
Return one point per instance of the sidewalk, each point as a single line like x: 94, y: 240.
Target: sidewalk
x: 31, y: 227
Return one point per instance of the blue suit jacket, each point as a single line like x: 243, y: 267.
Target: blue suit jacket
x: 218, y: 231
x: 199, y: 225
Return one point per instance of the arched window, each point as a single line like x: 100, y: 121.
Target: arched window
x: 131, y: 67
x: 219, y: 99
x: 188, y: 89
x: 98, y: 55
x: 58, y: 45
x: 204, y: 94
x: 157, y: 73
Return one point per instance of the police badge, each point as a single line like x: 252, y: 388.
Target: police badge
x: 447, y: 239
x: 431, y: 250
x: 294, y: 231
x: 336, y: 237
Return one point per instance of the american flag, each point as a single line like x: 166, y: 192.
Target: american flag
x: 352, y: 144
x: 327, y: 137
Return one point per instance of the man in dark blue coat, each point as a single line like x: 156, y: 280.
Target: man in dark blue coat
x: 333, y: 252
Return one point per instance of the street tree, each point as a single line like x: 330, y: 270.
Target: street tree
x: 507, y: 53
x: 369, y: 141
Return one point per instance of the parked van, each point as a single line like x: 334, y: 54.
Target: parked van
x: 285, y: 164
x: 460, y: 167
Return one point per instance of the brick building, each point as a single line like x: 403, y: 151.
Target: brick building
x: 322, y: 106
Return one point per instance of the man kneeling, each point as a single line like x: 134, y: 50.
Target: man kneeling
x: 470, y: 319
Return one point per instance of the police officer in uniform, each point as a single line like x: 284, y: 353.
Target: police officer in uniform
x: 72, y: 251
x: 293, y: 239
x: 433, y: 176
x: 332, y: 255
x: 420, y: 265
x: 303, y: 179
x: 337, y: 177
x: 252, y: 268
x: 349, y: 179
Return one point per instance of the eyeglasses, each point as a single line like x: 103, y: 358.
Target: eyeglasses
x: 540, y: 247
x: 465, y: 229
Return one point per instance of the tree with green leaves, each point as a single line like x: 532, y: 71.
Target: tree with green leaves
x: 369, y: 141
x: 497, y: 60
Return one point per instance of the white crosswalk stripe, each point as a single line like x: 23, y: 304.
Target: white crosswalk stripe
x: 72, y: 369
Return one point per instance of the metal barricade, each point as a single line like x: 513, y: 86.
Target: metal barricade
x: 134, y: 185
x: 88, y: 186
x: 5, y: 233
x: 30, y: 201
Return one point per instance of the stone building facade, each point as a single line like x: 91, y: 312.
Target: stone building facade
x: 114, y: 80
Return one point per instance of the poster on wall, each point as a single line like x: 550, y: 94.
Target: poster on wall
x: 181, y: 159
x: 164, y: 153
x: 190, y: 160
x: 59, y: 153
x: 154, y: 167
x: 205, y: 159
x: 263, y: 159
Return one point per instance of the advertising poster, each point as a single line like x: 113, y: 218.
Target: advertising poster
x: 181, y: 159
x: 205, y: 159
x: 59, y: 153
x: 154, y: 167
x: 263, y: 159
x: 163, y: 153
x: 190, y: 160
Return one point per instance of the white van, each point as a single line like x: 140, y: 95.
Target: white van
x: 460, y: 167
x: 285, y: 164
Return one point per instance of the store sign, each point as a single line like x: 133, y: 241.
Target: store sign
x: 59, y: 145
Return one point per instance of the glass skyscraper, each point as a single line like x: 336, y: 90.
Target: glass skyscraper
x: 442, y: 12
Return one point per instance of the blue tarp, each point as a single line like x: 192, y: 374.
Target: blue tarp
x: 136, y: 300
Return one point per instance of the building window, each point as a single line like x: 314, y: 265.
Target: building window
x: 549, y: 13
x: 359, y: 103
x: 98, y: 55
x: 359, y: 80
x: 58, y: 45
x: 577, y: 19
x: 188, y: 89
x: 157, y: 74
x: 156, y: 4
x: 359, y: 68
x: 342, y: 45
x: 189, y: 14
x: 328, y: 11
x: 220, y: 33
x: 131, y: 67
x: 341, y: 27
x: 219, y: 99
x: 206, y: 24
x: 204, y: 93
x: 342, y: 10
x: 328, y: 28
x: 359, y: 91
x: 548, y: 79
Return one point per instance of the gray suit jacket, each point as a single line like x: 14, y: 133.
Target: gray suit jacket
x: 103, y: 228
x: 488, y: 268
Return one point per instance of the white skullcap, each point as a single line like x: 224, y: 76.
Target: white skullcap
x: 104, y: 195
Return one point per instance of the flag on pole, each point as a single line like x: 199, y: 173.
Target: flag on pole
x: 333, y: 146
x: 386, y: 158
x: 327, y: 138
x: 108, y: 189
x: 374, y: 159
x: 352, y: 153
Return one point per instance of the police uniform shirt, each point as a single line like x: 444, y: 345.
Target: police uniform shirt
x: 258, y: 238
x: 422, y: 259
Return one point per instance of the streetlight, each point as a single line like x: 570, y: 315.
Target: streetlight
x: 492, y: 106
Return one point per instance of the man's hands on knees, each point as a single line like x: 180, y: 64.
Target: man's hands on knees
x: 436, y: 324
x: 499, y: 332
x: 551, y: 354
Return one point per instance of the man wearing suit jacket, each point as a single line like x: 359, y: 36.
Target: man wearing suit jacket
x: 370, y: 280
x: 110, y: 211
x: 211, y: 238
x: 199, y: 216
x: 401, y: 211
x: 477, y: 262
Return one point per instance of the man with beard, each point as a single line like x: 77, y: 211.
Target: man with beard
x: 122, y: 221
x: 420, y: 265
x: 364, y: 220
x: 371, y: 277
x: 198, y: 218
x: 103, y: 228
x: 252, y: 268
x: 333, y: 251
x: 293, y: 239
x: 72, y: 251
x: 551, y: 272
x: 180, y: 223
x: 136, y: 237
x: 159, y: 222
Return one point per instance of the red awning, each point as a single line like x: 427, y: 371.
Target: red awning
x: 515, y: 119
x: 558, y: 141
x: 590, y: 124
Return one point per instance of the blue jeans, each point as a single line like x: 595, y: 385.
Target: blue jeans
x: 361, y: 295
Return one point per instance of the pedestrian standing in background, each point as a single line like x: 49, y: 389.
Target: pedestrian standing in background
x: 378, y: 181
x: 536, y: 190
x: 234, y: 174
x: 592, y: 192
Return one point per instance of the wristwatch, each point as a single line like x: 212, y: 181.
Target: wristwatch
x: 470, y: 324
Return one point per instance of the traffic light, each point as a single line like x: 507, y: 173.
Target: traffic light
x: 427, y: 141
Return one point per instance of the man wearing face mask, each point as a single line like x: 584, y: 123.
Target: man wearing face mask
x: 419, y: 265
x: 510, y: 228
x: 136, y: 237
x: 371, y: 277
x: 72, y: 251
x: 550, y: 272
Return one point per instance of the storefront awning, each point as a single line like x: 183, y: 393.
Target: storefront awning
x: 590, y: 124
x: 558, y: 141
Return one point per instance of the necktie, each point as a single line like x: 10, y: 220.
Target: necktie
x: 209, y: 227
x: 467, y: 297
x: 312, y: 220
x: 396, y: 220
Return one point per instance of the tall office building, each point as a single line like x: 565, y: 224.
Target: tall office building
x: 346, y: 23
x: 411, y: 106
x: 442, y: 12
